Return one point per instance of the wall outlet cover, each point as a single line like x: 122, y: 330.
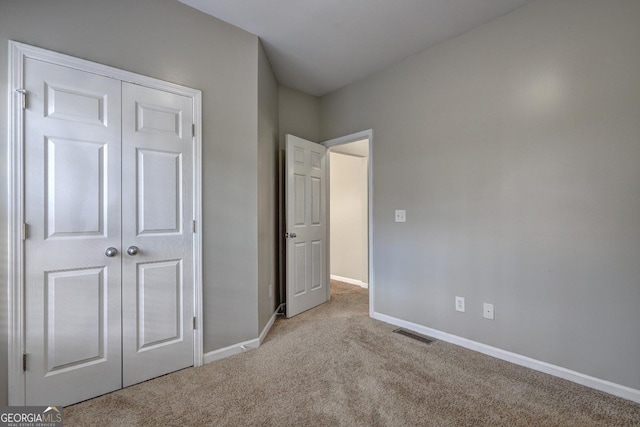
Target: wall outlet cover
x: 460, y: 304
x: 401, y: 215
x: 487, y: 311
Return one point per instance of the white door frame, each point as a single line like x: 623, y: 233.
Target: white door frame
x: 358, y: 136
x: 18, y: 53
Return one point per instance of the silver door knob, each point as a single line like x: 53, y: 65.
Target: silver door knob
x: 111, y: 252
x: 132, y: 250
x: 293, y: 235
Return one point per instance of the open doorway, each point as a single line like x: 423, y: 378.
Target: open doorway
x: 348, y: 213
x: 349, y: 170
x: 305, y: 259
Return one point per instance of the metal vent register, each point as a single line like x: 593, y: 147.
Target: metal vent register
x: 421, y: 338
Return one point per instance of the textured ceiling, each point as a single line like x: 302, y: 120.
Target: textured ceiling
x: 317, y: 46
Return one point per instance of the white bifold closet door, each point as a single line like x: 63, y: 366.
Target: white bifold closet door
x: 108, y: 250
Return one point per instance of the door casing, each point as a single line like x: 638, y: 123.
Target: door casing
x: 18, y: 53
x: 358, y: 136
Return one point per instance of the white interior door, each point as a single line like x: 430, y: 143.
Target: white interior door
x: 157, y: 239
x: 72, y: 208
x: 109, y: 245
x: 306, y: 230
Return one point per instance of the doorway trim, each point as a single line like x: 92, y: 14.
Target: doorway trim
x: 358, y: 136
x: 18, y: 53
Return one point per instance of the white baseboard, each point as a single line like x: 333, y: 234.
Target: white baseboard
x: 557, y: 371
x: 350, y: 281
x: 234, y: 349
x: 231, y: 350
x: 268, y: 326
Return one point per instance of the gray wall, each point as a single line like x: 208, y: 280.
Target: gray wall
x: 267, y: 189
x: 170, y: 41
x: 299, y: 115
x: 515, y: 149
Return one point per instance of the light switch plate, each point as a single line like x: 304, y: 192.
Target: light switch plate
x: 401, y: 216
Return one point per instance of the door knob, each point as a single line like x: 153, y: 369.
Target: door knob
x: 293, y: 235
x: 111, y: 252
x: 132, y: 250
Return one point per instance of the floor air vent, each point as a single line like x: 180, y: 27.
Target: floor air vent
x: 421, y: 338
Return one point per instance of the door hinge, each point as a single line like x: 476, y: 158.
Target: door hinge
x: 193, y: 130
x: 193, y: 226
x: 23, y: 92
x: 24, y: 362
x: 24, y: 230
x: 195, y: 322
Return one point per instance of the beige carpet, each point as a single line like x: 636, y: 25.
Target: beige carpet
x: 333, y: 365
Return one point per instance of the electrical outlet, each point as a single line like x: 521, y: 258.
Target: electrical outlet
x: 487, y: 311
x: 401, y: 216
x: 460, y: 304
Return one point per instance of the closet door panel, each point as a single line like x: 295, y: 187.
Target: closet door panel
x: 157, y: 211
x: 72, y: 209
